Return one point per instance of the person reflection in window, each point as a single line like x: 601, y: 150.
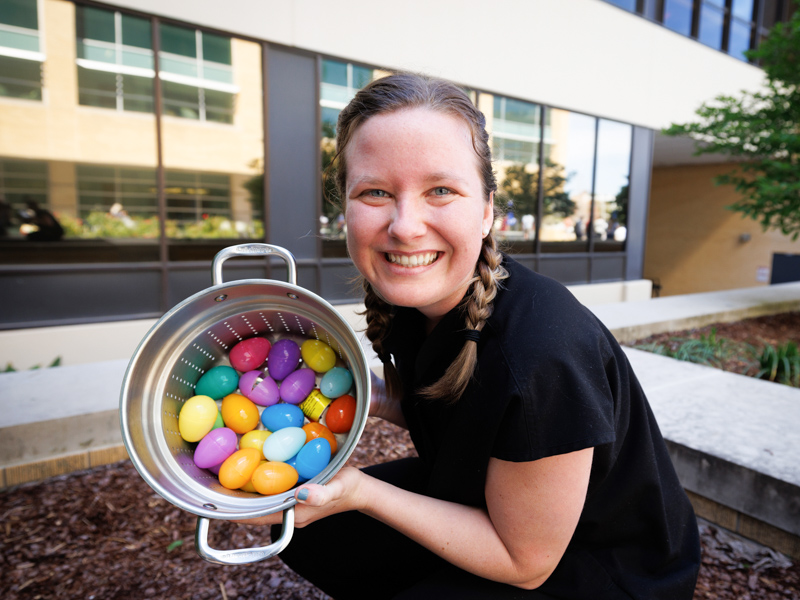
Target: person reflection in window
x: 39, y: 224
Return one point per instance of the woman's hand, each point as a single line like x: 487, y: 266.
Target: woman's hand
x: 314, y: 501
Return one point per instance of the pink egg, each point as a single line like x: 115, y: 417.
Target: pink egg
x: 259, y: 388
x: 297, y: 386
x: 284, y: 358
x: 215, y: 447
x: 249, y: 354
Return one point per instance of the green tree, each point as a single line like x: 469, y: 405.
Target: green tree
x: 521, y: 187
x: 761, y: 130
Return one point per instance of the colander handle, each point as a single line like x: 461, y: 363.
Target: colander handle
x: 242, y: 556
x: 254, y: 250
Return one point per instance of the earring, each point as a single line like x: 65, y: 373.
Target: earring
x: 485, y: 232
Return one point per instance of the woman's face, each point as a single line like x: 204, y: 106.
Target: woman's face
x: 415, y: 208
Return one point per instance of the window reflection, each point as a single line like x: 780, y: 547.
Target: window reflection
x: 339, y: 83
x: 568, y: 177
x: 711, y: 24
x: 610, y: 213
x: 678, y: 16
x: 21, y: 55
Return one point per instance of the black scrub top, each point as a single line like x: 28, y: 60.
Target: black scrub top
x: 551, y: 379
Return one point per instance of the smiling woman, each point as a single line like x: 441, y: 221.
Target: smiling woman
x: 541, y: 471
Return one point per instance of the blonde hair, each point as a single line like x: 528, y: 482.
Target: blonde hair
x: 402, y: 91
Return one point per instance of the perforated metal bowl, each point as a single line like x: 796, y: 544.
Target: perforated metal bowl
x: 197, y: 335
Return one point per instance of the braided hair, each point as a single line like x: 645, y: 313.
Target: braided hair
x: 402, y: 91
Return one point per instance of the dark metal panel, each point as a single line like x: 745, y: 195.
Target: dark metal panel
x: 185, y: 282
x: 638, y: 201
x: 528, y: 261
x: 608, y: 268
x: 52, y: 297
x: 567, y: 270
x: 293, y: 152
x: 339, y: 282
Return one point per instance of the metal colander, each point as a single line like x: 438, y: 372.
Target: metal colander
x: 197, y: 335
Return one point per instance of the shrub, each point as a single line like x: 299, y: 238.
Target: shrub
x: 780, y: 364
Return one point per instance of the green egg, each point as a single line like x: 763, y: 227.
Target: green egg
x: 217, y: 382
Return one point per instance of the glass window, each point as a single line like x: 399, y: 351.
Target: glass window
x: 216, y: 48
x: 568, y: 179
x: 629, y: 5
x: 20, y: 78
x: 136, y: 32
x: 178, y: 40
x: 610, y: 219
x: 739, y: 40
x: 181, y: 100
x: 97, y: 88
x: 711, y: 25
x: 678, y: 16
x: 339, y: 83
x: 743, y: 9
x: 19, y: 13
x: 95, y: 24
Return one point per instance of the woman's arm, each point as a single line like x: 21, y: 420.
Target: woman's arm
x: 532, y: 512
x: 383, y: 407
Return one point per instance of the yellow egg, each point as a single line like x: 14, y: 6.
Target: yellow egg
x: 318, y: 355
x: 254, y: 439
x: 274, y: 478
x: 197, y: 418
x: 239, y: 413
x: 238, y: 468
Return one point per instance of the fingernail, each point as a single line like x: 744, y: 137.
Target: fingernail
x: 302, y: 494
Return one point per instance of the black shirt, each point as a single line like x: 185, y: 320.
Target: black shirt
x: 551, y: 379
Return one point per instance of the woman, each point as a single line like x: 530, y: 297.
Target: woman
x: 541, y: 471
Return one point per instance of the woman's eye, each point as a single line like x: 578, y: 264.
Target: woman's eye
x: 377, y: 194
x: 441, y: 191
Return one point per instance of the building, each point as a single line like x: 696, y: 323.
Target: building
x: 158, y: 132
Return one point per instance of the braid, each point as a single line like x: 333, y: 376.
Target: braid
x: 477, y: 308
x: 379, y: 320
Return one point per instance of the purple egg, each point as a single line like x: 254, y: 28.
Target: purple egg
x: 259, y: 388
x: 215, y: 447
x: 297, y: 386
x: 284, y: 358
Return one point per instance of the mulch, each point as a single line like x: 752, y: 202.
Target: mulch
x: 105, y: 534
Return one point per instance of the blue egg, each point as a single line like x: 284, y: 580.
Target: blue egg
x: 284, y: 444
x: 217, y: 382
x: 292, y: 462
x: 336, y: 382
x: 279, y: 416
x: 313, y: 457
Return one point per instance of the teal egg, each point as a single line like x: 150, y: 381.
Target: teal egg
x: 284, y: 444
x: 336, y: 382
x: 217, y: 382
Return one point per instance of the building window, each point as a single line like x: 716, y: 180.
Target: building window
x: 197, y: 74
x: 712, y: 23
x: 21, y: 57
x: 114, y: 59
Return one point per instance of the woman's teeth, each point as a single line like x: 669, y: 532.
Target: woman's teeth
x: 415, y: 260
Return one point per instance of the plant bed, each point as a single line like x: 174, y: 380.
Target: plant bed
x: 734, y: 347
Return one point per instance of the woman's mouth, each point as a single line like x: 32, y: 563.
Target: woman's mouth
x: 414, y: 260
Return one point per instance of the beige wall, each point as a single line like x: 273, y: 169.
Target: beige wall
x: 693, y: 242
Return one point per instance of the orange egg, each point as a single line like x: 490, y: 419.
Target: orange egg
x: 341, y: 414
x: 238, y: 468
x: 317, y: 430
x: 239, y: 413
x: 249, y: 487
x: 274, y: 478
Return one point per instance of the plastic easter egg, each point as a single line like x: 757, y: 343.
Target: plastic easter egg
x: 292, y: 462
x: 249, y: 487
x: 215, y: 447
x: 254, y: 439
x: 336, y: 382
x: 197, y: 417
x: 239, y: 413
x: 219, y: 422
x: 341, y: 414
x: 259, y: 388
x: 318, y: 355
x: 314, y: 405
x: 313, y: 457
x: 284, y: 358
x: 278, y: 416
x: 249, y: 354
x: 318, y: 430
x: 238, y: 468
x: 274, y: 478
x: 217, y: 382
x: 284, y: 444
x: 297, y: 386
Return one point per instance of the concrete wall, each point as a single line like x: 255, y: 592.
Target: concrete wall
x: 584, y: 55
x: 694, y: 244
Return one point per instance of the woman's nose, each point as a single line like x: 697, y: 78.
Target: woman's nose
x: 408, y: 220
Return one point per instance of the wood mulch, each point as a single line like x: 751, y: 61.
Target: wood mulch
x: 104, y: 534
